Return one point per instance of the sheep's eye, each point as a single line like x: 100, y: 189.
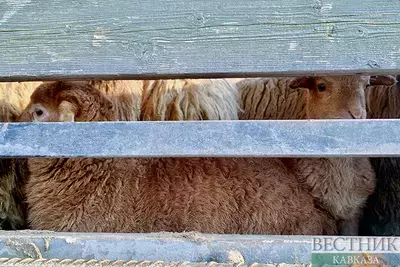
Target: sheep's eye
x: 321, y: 87
x: 39, y: 112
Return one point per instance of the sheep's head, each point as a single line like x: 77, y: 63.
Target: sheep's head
x: 337, y: 97
x: 67, y: 102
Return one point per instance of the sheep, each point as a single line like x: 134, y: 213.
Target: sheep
x: 189, y: 99
x: 163, y: 100
x: 382, y: 212
x: 270, y: 99
x: 13, y: 99
x: 382, y: 99
x: 182, y: 99
x: 16, y: 95
x: 341, y: 185
x: 12, y: 216
x: 126, y: 96
x: 211, y: 195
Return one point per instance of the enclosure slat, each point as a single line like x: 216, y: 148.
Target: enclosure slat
x: 180, y: 247
x: 58, y: 39
x: 10, y: 262
x: 313, y: 138
x: 169, y: 247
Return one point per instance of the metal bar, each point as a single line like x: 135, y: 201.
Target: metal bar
x: 307, y: 138
x: 54, y: 39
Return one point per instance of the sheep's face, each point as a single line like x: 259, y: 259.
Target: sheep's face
x: 335, y: 97
x: 40, y: 113
x: 67, y: 102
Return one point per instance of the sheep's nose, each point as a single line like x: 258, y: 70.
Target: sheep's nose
x: 32, y: 116
x: 357, y: 113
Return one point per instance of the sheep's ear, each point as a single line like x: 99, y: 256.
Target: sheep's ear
x: 398, y: 78
x: 382, y: 80
x: 302, y: 82
x: 67, y: 111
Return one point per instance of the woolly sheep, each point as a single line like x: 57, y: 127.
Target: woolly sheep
x: 134, y: 100
x: 341, y: 185
x: 272, y: 98
x: 125, y: 95
x: 12, y: 215
x: 189, y: 99
x: 13, y: 99
x: 182, y: 99
x: 382, y: 212
x: 212, y: 195
x: 16, y: 95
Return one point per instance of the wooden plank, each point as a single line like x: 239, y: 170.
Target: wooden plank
x: 189, y: 247
x: 327, y: 138
x: 72, y: 263
x: 58, y: 39
x: 169, y: 247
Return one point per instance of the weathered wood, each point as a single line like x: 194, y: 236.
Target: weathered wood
x: 190, y: 247
x: 19, y: 262
x: 180, y: 38
x: 186, y: 248
x: 330, y: 138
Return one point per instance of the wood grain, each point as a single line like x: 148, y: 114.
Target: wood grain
x: 58, y: 39
x: 188, y: 249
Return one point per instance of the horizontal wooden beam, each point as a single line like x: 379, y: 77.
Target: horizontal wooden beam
x: 168, y: 247
x: 58, y: 39
x: 315, y: 138
x: 188, y: 248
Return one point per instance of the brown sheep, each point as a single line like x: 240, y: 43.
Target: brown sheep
x: 12, y: 215
x: 162, y: 100
x: 382, y: 99
x: 342, y: 185
x: 273, y: 99
x: 211, y: 195
x: 13, y: 99
x: 154, y: 100
x: 382, y: 213
x: 125, y: 95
